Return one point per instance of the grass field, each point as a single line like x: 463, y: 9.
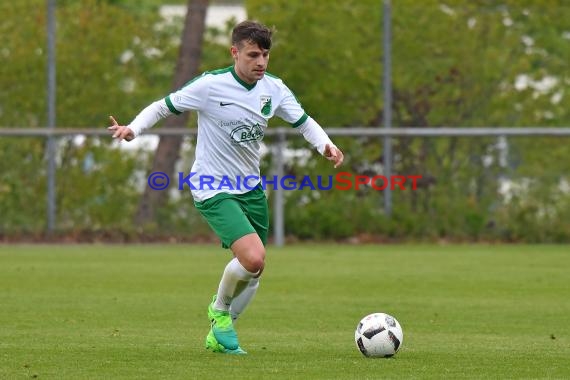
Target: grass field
x: 139, y: 312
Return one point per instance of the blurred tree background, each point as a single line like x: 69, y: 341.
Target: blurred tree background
x: 455, y: 63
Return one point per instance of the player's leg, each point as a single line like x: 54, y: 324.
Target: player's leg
x: 222, y: 336
x: 255, y: 205
x: 247, y: 247
x: 250, y: 251
x: 226, y: 217
x: 247, y: 264
x: 244, y: 298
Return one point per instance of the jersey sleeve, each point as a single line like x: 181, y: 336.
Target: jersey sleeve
x: 149, y: 117
x: 315, y: 135
x: 290, y: 109
x: 191, y: 97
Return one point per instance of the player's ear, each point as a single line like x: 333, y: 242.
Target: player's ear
x: 234, y: 51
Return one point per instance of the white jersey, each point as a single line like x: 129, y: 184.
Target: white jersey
x: 232, y: 119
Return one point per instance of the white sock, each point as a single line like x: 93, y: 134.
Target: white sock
x: 240, y: 302
x: 233, y: 282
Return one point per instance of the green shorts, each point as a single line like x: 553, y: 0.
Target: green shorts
x: 233, y: 216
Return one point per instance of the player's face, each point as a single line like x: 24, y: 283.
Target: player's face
x: 250, y: 61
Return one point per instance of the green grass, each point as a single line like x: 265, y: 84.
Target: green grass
x: 139, y: 312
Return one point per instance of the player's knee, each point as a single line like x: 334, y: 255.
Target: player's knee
x: 257, y: 260
x: 250, y: 252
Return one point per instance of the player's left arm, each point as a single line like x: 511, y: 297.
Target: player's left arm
x: 317, y: 137
x: 291, y: 111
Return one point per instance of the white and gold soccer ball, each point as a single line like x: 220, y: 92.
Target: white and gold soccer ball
x: 379, y: 335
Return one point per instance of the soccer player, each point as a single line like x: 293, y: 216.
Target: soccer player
x: 234, y: 106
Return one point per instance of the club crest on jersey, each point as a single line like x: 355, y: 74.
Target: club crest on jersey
x: 265, y: 105
x: 246, y: 133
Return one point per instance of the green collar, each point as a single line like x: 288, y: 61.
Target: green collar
x: 240, y: 81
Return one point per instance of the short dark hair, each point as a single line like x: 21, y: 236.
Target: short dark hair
x: 253, y: 32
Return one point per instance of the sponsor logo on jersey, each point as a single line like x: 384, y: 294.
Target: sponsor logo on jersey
x: 231, y: 123
x: 247, y: 133
x: 265, y: 105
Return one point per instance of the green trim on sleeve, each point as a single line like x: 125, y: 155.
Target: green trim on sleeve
x: 171, y: 106
x: 300, y: 121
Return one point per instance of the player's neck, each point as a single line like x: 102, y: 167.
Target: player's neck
x: 243, y: 78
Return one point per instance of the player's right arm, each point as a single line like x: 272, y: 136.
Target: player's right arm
x: 144, y: 120
x: 190, y: 97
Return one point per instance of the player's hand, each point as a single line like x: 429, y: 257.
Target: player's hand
x: 332, y: 153
x: 120, y: 132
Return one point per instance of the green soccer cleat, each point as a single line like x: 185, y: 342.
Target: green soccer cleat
x: 222, y: 327
x: 213, y: 345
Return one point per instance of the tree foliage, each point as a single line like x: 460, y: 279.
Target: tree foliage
x: 111, y: 59
x: 454, y: 63
x: 108, y: 61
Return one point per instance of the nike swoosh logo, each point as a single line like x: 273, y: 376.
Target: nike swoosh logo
x: 225, y: 104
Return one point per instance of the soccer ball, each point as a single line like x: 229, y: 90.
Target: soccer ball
x: 379, y: 335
